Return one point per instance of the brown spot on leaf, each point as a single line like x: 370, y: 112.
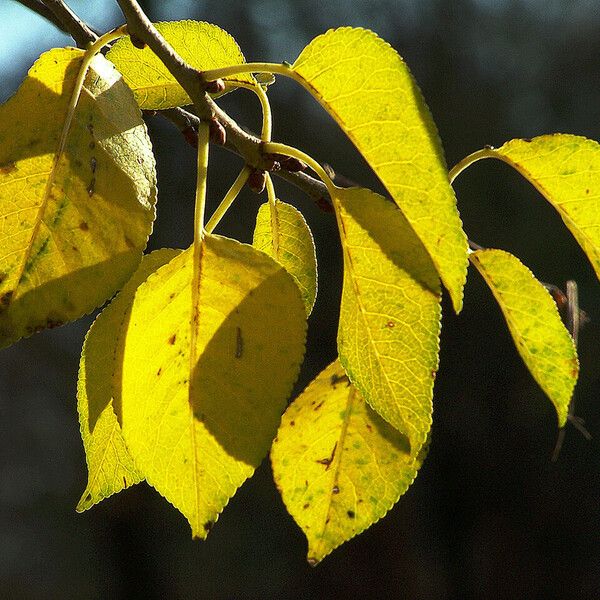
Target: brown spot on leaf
x: 528, y: 140
x: 327, y: 461
x: 351, y: 514
x: 159, y: 372
x: 368, y: 426
x: 318, y: 406
x: 587, y: 191
x: 306, y: 506
x: 172, y: 339
x: 312, y: 562
x: 84, y: 226
x: 390, y: 324
x: 292, y: 423
x: 335, y: 379
x: 8, y: 168
x: 6, y: 298
x: 335, y: 490
x: 208, y: 526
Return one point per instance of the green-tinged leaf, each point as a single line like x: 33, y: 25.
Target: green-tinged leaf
x: 73, y: 224
x: 201, y: 403
x: 291, y: 245
x: 338, y: 465
x: 566, y: 170
x: 368, y: 89
x: 201, y: 45
x: 535, y: 325
x: 110, y: 467
x: 388, y: 337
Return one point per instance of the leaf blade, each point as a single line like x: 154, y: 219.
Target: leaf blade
x: 539, y: 334
x: 338, y: 465
x: 110, y: 466
x: 197, y: 436
x: 367, y: 88
x: 388, y: 337
x: 201, y: 45
x: 295, y: 248
x: 75, y: 219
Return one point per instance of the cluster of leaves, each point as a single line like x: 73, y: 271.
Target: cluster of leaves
x: 184, y: 376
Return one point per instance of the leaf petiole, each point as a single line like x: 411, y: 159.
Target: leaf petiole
x: 228, y: 200
x: 467, y: 161
x: 274, y: 218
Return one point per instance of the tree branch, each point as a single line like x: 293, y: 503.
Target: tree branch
x: 58, y: 13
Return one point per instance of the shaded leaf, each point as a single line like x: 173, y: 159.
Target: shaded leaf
x: 201, y: 45
x: 566, y: 170
x: 368, y: 89
x: 388, y: 336
x: 338, y: 465
x: 73, y: 224
x: 535, y: 325
x: 201, y: 403
x: 293, y: 246
x: 110, y: 466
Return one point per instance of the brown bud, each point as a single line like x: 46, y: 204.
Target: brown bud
x: 137, y: 42
x: 191, y: 136
x: 324, y: 204
x: 257, y: 181
x: 292, y: 164
x: 215, y: 87
x: 217, y: 132
x: 271, y: 162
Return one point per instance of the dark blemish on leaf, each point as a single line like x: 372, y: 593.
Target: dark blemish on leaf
x: 292, y: 423
x: 208, y: 525
x: 351, y: 514
x: 2, y: 277
x: 124, y: 482
x: 335, y: 379
x: 84, y: 226
x: 390, y: 324
x: 305, y: 483
x: 318, y: 406
x: 312, y: 562
x: 335, y: 490
x: 8, y: 168
x: 360, y: 501
x: 587, y: 191
x: 93, y: 164
x: 528, y: 140
x: 172, y: 339
x: 327, y: 520
x: 91, y: 187
x: 6, y: 298
x: 369, y: 427
x: 239, y: 343
x: 159, y: 372
x: 327, y: 461
x: 306, y: 506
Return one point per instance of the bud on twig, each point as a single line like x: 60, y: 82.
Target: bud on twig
x: 257, y: 181
x: 191, y: 136
x: 217, y: 132
x: 292, y: 164
x: 215, y: 87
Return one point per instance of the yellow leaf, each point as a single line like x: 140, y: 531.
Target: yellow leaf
x: 566, y: 170
x: 292, y: 246
x: 338, y: 465
x: 388, y: 337
x: 73, y: 224
x: 535, y: 325
x: 367, y: 88
x: 201, y: 45
x: 198, y: 420
x: 110, y: 467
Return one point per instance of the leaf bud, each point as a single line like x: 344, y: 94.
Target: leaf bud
x: 217, y: 132
x: 191, y: 136
x: 257, y: 181
x: 215, y: 87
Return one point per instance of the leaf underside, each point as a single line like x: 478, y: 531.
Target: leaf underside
x: 73, y: 224
x: 368, y: 89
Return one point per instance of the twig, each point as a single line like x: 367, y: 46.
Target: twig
x: 63, y: 17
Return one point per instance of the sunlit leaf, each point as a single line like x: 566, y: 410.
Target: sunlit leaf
x: 292, y: 246
x: 535, y: 325
x: 338, y: 465
x: 388, y: 337
x: 366, y: 87
x: 566, y: 170
x: 110, y: 467
x: 73, y: 224
x: 201, y: 45
x: 201, y: 403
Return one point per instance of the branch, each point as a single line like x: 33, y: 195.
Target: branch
x: 59, y: 14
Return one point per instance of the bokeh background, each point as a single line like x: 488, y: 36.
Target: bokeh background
x: 489, y: 515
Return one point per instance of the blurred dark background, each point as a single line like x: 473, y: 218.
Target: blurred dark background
x: 489, y: 515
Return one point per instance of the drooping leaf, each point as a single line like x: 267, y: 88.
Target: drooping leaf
x: 338, y: 465
x: 110, y: 466
x: 201, y: 45
x: 203, y: 387
x: 368, y: 89
x: 388, y: 338
x: 566, y: 170
x: 535, y: 325
x: 292, y: 246
x: 73, y: 224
